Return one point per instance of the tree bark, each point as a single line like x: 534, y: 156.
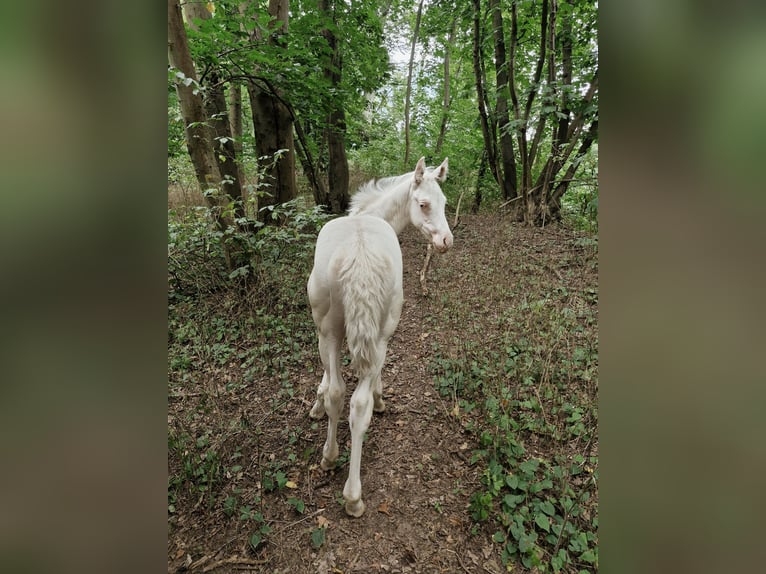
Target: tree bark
x: 335, y: 132
x: 218, y: 117
x: 446, y: 98
x: 481, y: 97
x: 501, y: 74
x: 235, y: 116
x: 199, y: 136
x: 482, y: 171
x: 273, y: 129
x: 310, y: 168
x: 563, y: 185
x: 409, y: 87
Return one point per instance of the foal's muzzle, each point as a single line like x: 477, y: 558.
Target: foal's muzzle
x: 442, y: 242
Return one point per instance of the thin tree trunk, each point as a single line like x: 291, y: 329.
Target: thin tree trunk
x: 542, y: 192
x: 235, y: 115
x: 563, y: 185
x: 523, y: 117
x: 199, y: 138
x: 569, y: 139
x: 446, y: 99
x: 482, y: 171
x: 409, y: 87
x: 550, y: 43
x: 273, y: 128
x: 218, y: 117
x: 321, y: 196
x: 501, y: 74
x: 481, y: 98
x: 337, y: 173
x: 566, y: 79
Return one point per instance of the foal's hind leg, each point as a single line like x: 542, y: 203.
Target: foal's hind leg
x: 332, y: 397
x: 359, y: 421
x: 318, y: 411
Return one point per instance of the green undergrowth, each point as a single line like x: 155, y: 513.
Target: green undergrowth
x: 527, y: 392
x: 234, y: 334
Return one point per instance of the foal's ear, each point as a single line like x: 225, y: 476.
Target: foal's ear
x: 441, y: 171
x: 419, y: 170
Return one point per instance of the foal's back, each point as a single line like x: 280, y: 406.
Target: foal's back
x: 358, y: 236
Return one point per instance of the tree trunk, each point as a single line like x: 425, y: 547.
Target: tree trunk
x: 563, y: 185
x: 481, y: 98
x: 482, y: 171
x: 446, y: 99
x: 273, y: 129
x: 563, y: 149
x: 199, y: 136
x: 310, y: 168
x: 501, y: 74
x: 235, y: 116
x: 409, y: 87
x: 337, y: 174
x: 218, y: 117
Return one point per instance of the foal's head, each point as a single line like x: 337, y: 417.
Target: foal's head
x: 427, y: 204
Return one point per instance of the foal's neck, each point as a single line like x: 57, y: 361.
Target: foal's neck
x: 393, y: 206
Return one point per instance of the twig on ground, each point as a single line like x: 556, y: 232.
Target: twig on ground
x: 460, y: 560
x: 457, y: 209
x: 233, y: 561
x: 423, y: 271
x: 291, y: 524
x: 430, y: 251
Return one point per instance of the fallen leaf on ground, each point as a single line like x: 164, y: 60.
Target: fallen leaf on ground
x: 383, y: 507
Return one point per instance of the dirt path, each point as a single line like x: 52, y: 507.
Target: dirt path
x: 416, y: 473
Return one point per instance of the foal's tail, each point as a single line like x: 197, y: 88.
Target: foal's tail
x: 367, y: 281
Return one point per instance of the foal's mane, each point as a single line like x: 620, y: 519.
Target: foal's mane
x: 370, y: 192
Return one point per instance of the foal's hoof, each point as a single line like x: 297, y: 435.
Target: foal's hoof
x: 379, y: 407
x: 355, y: 508
x: 327, y: 464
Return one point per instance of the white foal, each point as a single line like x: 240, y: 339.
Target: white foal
x: 355, y: 291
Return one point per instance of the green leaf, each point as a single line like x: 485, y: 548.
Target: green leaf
x: 526, y: 542
x: 317, y: 537
x: 498, y: 536
x: 588, y: 556
x: 255, y: 541
x: 548, y: 508
x: 558, y: 561
x: 543, y: 522
x: 529, y: 466
x: 510, y: 501
x: 512, y: 481
x: 297, y: 504
x: 517, y: 531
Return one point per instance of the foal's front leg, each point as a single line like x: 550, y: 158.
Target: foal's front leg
x: 359, y: 421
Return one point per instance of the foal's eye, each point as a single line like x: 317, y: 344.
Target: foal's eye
x: 424, y: 205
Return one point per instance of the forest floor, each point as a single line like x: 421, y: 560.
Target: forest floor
x: 246, y: 493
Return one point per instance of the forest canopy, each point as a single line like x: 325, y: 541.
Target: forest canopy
x: 273, y: 100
